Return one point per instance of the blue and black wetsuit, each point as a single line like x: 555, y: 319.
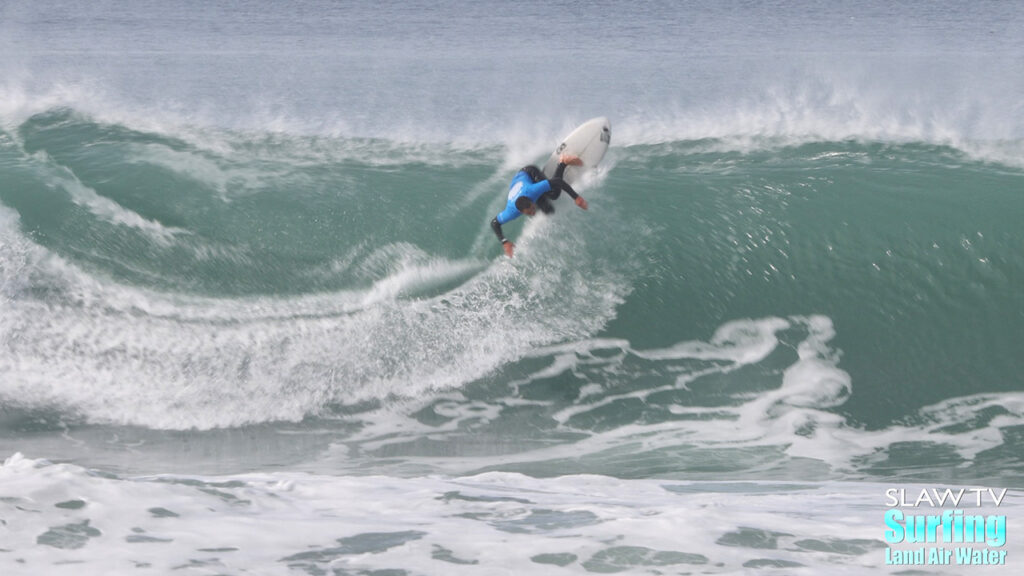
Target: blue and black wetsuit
x: 530, y: 183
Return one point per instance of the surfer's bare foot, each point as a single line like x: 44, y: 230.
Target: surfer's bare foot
x: 570, y: 160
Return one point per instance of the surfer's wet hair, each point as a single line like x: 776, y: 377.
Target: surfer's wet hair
x: 522, y: 203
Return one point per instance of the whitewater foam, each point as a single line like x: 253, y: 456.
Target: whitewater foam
x: 112, y: 353
x: 67, y: 519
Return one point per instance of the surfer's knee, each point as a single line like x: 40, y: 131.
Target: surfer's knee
x: 533, y: 172
x: 544, y: 203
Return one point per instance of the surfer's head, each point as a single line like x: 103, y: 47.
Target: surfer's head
x: 526, y: 206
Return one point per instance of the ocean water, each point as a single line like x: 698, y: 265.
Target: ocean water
x: 253, y: 319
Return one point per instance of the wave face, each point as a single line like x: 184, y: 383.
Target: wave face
x: 255, y: 241
x: 175, y: 281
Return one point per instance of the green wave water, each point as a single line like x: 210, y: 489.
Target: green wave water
x: 253, y: 319
x: 237, y: 279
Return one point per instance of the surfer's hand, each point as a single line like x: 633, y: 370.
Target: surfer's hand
x: 570, y: 160
x: 581, y: 202
x: 509, y: 247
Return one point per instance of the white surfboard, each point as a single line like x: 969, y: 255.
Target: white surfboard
x: 589, y: 141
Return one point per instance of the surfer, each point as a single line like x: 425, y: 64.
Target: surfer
x: 530, y: 190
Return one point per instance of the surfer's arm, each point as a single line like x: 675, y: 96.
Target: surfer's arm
x: 496, y: 226
x: 506, y: 244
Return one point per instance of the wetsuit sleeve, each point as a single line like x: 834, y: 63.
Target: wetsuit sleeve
x: 565, y: 186
x: 497, y: 230
x: 557, y: 182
